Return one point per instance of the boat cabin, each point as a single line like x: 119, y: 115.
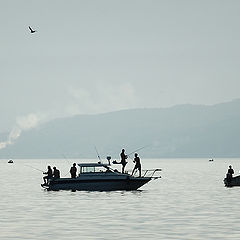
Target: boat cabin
x: 94, y: 168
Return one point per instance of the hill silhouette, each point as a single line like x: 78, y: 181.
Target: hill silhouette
x: 179, y: 131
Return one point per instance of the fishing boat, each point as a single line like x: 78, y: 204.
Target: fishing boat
x: 232, y: 182
x: 101, y: 177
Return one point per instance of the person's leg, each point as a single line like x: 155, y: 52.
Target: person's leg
x: 48, y: 178
x: 139, y: 169
x: 133, y: 171
x: 44, y: 179
x: 123, y: 167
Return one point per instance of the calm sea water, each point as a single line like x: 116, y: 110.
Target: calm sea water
x: 188, y: 202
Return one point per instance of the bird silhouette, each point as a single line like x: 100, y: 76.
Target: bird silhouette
x: 32, y: 31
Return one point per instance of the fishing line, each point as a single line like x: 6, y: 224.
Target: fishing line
x: 138, y: 149
x: 68, y: 163
x: 33, y: 167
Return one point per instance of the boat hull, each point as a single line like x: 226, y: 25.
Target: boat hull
x: 235, y: 181
x: 78, y: 184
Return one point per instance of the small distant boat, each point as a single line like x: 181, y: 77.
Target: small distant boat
x: 10, y: 161
x: 211, y: 160
x: 100, y: 177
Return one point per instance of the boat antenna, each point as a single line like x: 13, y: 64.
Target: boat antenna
x: 138, y: 149
x: 97, y: 154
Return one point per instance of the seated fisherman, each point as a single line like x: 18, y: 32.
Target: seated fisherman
x: 49, y: 174
x: 56, y: 173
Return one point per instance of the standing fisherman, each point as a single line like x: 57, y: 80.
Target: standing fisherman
x: 137, y: 164
x: 123, y: 159
x: 230, y: 174
x: 73, y: 171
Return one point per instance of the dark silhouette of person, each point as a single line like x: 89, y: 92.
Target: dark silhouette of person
x: 137, y: 166
x: 230, y: 174
x: 73, y: 171
x: 123, y: 159
x: 56, y: 173
x: 49, y: 174
x: 32, y: 31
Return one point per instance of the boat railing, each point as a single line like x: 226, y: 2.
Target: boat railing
x: 152, y: 173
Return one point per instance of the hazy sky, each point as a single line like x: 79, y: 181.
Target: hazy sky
x: 105, y: 55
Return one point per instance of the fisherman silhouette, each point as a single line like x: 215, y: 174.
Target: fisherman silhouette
x: 49, y: 175
x: 73, y: 171
x: 230, y: 173
x: 56, y: 173
x: 123, y: 159
x: 32, y: 31
x: 137, y: 166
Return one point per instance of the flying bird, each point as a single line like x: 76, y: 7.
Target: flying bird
x: 32, y: 31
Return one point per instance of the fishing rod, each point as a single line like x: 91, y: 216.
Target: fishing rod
x: 138, y: 150
x: 34, y: 168
x: 97, y: 154
x: 68, y: 163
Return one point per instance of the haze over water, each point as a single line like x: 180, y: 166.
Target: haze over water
x: 188, y: 202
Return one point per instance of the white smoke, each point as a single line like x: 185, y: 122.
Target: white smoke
x: 103, y: 98
x: 29, y: 121
x: 23, y: 123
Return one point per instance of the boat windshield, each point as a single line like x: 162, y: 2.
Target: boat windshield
x: 99, y: 169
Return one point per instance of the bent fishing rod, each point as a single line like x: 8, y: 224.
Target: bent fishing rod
x: 138, y: 150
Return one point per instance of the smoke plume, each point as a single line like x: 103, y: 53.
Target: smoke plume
x: 23, y: 123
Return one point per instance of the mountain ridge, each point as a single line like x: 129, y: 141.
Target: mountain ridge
x: 178, y: 131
